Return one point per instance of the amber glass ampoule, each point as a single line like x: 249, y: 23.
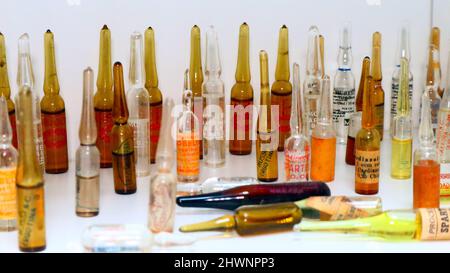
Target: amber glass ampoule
x: 53, y: 114
x: 322, y: 53
x: 29, y: 180
x: 5, y: 90
x: 154, y: 93
x: 103, y: 99
x: 355, y: 118
x: 323, y: 139
x: 281, y: 93
x: 266, y: 140
x: 367, y: 147
x: 378, y: 95
x: 432, y: 63
x: 196, y: 80
x: 122, y: 139
x: 242, y: 99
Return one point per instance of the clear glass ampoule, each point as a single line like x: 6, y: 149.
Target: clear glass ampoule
x: 266, y: 140
x: 378, y: 95
x: 154, y: 93
x: 426, y: 175
x: 138, y: 106
x: 432, y: 90
x: 163, y: 186
x: 344, y: 86
x: 402, y: 130
x: 196, y: 81
x: 25, y: 76
x: 311, y: 88
x: 104, y: 99
x: 188, y: 160
x: 53, y: 114
x: 88, y: 155
x: 443, y: 137
x: 402, y: 52
x: 8, y: 167
x: 323, y: 140
x: 281, y: 91
x: 213, y: 105
x: 5, y: 90
x: 29, y: 179
x: 296, y: 147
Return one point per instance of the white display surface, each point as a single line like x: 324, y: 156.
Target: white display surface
x: 64, y: 228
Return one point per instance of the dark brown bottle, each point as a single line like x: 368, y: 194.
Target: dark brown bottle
x: 122, y: 139
x: 53, y: 114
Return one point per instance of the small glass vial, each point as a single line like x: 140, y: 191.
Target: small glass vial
x: 163, y: 186
x: 296, y: 147
x: 88, y: 155
x: 138, y: 106
x: 188, y: 160
x: 213, y: 105
x: 344, y: 87
x: 8, y: 167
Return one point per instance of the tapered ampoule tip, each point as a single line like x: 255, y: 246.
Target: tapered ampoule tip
x: 88, y: 70
x: 1, y: 34
x: 105, y: 27
x: 117, y: 64
x: 376, y: 39
x: 149, y: 28
x: 48, y: 31
x: 284, y: 27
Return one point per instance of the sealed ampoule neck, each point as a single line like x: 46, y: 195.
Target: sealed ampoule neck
x: 136, y: 72
x: 282, y: 72
x: 313, y: 58
x: 264, y: 121
x: 165, y: 150
x: 195, y: 67
x: 5, y: 89
x: 104, y: 77
x: 88, y: 128
x: 426, y: 135
x: 5, y: 125
x: 376, y: 57
x: 345, y: 57
x: 25, y: 74
x: 151, y: 73
x: 325, y: 114
x: 296, y: 109
x: 243, y: 63
x: 51, y: 84
x: 213, y: 66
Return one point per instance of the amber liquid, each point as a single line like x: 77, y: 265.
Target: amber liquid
x: 155, y: 127
x: 367, y: 188
x: 323, y: 156
x: 55, y: 142
x: 426, y: 184
x: 32, y: 218
x: 241, y: 146
x: 104, y: 122
x: 124, y: 173
x: 284, y: 102
x: 12, y: 120
x: 88, y: 192
x: 350, y: 151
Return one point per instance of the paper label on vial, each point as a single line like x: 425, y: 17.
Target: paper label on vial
x: 188, y: 163
x: 435, y: 224
x: 367, y: 166
x: 337, y: 207
x: 343, y: 104
x: 8, y: 206
x: 445, y: 180
x: 296, y: 164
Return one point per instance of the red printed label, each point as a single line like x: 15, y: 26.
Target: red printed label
x: 296, y: 164
x: 242, y: 113
x: 54, y: 130
x: 155, y: 124
x: 104, y: 122
x: 284, y: 112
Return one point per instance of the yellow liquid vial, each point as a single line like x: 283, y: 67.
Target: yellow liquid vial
x: 401, y: 158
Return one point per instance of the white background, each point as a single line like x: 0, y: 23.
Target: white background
x: 76, y: 25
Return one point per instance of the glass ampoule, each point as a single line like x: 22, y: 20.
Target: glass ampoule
x: 426, y: 174
x: 432, y: 90
x: 322, y: 53
x: 266, y: 139
x: 402, y: 130
x: 241, y: 114
x: 104, y: 99
x: 344, y: 86
x: 188, y: 160
x: 138, y: 106
x: 8, y: 168
x: 281, y: 91
x: 163, y: 185
x: 355, y: 118
x: 296, y: 148
x: 311, y: 88
x: 196, y: 81
x: 402, y: 52
x: 434, y: 79
x: 154, y: 93
x: 5, y: 90
x: 213, y: 105
x: 87, y: 155
x: 25, y: 76
x: 53, y: 114
x: 367, y: 146
x: 122, y: 139
x: 323, y: 140
x: 443, y: 138
x: 29, y: 179
x: 378, y: 98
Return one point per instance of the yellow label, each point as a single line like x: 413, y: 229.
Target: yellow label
x: 435, y: 224
x: 367, y: 166
x: 31, y: 217
x: 188, y: 150
x: 8, y: 206
x: 337, y: 207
